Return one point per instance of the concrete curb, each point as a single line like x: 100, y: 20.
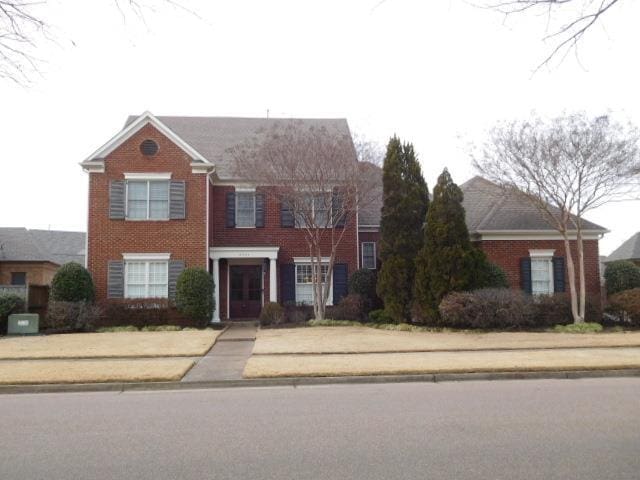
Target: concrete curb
x: 301, y: 381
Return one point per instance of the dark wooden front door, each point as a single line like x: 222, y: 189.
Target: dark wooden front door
x: 245, y: 291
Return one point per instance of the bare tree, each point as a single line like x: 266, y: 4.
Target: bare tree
x: 578, y: 17
x: 315, y: 174
x: 565, y: 168
x: 23, y: 28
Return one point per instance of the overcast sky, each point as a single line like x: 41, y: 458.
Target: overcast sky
x: 437, y: 73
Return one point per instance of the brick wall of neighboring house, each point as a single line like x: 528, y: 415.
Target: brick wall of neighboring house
x: 507, y: 254
x: 290, y: 240
x: 370, y: 237
x: 109, y: 239
x: 38, y: 273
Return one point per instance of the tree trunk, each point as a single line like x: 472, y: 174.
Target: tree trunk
x: 572, y: 280
x: 581, y: 273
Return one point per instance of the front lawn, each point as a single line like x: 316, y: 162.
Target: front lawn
x: 263, y: 366
x: 90, y: 371
x: 363, y: 340
x: 109, y: 345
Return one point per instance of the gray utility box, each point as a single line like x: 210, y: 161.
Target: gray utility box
x: 23, y: 324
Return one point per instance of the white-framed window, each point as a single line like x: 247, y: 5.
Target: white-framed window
x: 304, y: 285
x: 318, y: 205
x: 541, y: 272
x: 147, y: 199
x: 369, y: 255
x: 245, y: 209
x: 146, y: 279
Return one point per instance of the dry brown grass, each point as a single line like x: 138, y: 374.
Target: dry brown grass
x: 362, y: 339
x: 109, y: 345
x: 92, y: 371
x: 441, y: 362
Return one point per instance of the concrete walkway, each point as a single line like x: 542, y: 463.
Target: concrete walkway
x: 227, y: 358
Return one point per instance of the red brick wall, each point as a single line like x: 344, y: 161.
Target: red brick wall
x: 290, y: 240
x: 109, y: 239
x: 507, y: 254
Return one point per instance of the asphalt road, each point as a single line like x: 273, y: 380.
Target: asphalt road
x: 551, y: 429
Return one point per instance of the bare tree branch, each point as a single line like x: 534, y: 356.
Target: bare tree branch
x: 582, y: 16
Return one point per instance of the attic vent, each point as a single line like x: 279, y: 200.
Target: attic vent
x: 149, y: 148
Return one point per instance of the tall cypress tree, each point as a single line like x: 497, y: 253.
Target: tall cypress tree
x: 404, y: 208
x: 446, y: 261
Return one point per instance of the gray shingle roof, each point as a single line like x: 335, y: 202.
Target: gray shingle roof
x: 489, y: 208
x: 629, y: 250
x: 369, y: 213
x: 213, y: 137
x: 20, y: 244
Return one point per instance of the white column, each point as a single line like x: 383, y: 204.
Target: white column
x: 273, y: 281
x: 216, y: 290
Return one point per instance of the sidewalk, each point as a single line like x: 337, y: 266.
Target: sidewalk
x: 227, y: 358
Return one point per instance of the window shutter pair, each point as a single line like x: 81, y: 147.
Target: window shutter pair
x: 230, y: 215
x: 118, y: 207
x: 558, y: 275
x: 115, y: 278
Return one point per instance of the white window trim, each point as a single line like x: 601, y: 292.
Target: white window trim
x: 147, y: 260
x: 147, y: 176
x: 307, y: 261
x: 313, y: 209
x: 246, y: 190
x: 375, y: 260
x: 147, y: 219
x: 143, y: 257
x: 548, y: 256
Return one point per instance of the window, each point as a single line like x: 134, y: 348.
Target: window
x: 541, y: 276
x: 304, y: 287
x: 18, y: 278
x: 146, y: 279
x: 318, y: 206
x: 147, y: 199
x: 245, y: 209
x: 369, y: 255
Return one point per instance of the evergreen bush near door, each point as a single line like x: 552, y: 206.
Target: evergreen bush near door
x: 194, y: 295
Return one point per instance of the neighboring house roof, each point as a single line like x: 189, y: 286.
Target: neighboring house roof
x: 629, y: 250
x: 489, y: 209
x: 213, y: 138
x: 20, y: 244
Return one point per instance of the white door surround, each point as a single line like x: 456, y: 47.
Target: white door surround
x: 241, y: 253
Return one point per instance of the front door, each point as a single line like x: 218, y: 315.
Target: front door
x: 245, y: 295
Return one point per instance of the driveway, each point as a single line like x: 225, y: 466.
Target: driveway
x: 511, y: 430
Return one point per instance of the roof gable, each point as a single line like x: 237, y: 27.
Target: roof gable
x: 134, y: 126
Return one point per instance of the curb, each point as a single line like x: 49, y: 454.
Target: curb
x: 303, y: 381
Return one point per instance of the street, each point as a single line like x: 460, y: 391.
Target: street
x: 535, y: 429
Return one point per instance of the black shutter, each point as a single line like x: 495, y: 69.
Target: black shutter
x: 340, y: 282
x: 288, y: 283
x: 177, y: 193
x: 525, y: 274
x: 175, y: 269
x: 339, y: 217
x: 260, y: 210
x: 231, y: 209
x: 286, y: 215
x: 117, y: 205
x: 558, y: 274
x: 115, y: 279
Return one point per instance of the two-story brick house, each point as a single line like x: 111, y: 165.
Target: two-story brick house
x: 163, y: 195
